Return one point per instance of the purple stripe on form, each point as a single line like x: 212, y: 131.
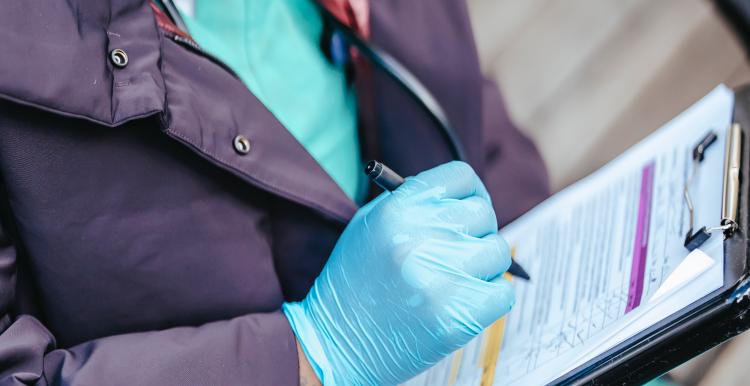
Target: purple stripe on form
x: 640, y: 246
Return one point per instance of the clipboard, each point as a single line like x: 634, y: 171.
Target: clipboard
x: 713, y: 319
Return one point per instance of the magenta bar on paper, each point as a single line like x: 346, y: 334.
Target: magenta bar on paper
x: 640, y: 245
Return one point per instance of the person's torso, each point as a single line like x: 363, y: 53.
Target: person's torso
x: 276, y: 48
x: 163, y: 193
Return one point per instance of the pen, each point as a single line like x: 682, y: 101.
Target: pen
x: 389, y: 180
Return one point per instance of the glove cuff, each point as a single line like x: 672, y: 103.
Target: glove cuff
x: 307, y: 337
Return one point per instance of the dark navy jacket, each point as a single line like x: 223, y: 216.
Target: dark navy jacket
x: 137, y: 247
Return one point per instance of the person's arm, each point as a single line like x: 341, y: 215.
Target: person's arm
x: 510, y: 156
x: 256, y: 349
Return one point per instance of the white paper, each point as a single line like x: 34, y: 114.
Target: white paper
x: 659, y: 309
x: 689, y: 269
x: 600, y: 249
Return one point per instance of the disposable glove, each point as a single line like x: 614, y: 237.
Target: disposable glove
x: 416, y: 274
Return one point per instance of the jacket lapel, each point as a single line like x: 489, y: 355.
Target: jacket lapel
x: 207, y: 109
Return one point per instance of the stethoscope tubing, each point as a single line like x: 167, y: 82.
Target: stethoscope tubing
x: 408, y: 82
x: 389, y: 65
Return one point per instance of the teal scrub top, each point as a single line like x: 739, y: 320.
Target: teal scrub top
x: 273, y: 46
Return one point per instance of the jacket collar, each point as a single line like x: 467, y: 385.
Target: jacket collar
x: 60, y: 63
x: 57, y: 58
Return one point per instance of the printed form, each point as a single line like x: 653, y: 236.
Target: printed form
x: 606, y: 257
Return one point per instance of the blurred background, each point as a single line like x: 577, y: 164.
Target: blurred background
x: 597, y: 76
x: 588, y: 79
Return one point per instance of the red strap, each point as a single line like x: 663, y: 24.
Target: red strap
x: 165, y: 23
x: 353, y: 13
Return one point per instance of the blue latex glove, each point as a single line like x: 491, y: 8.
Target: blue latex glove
x: 415, y: 275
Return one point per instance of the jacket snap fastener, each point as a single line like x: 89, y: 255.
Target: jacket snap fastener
x: 118, y: 57
x: 241, y: 144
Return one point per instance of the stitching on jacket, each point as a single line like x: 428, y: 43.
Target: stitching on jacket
x: 240, y: 173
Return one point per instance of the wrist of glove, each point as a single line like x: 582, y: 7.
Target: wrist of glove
x: 416, y: 274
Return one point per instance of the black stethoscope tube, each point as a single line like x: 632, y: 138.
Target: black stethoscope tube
x: 408, y: 82
x: 381, y: 59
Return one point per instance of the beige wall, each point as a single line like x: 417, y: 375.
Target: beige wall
x: 586, y: 79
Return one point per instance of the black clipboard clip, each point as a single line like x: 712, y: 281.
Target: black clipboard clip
x: 730, y: 191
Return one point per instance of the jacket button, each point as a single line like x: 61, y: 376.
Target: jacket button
x: 118, y: 57
x: 241, y: 144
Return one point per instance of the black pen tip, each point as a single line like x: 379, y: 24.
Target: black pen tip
x: 518, y: 271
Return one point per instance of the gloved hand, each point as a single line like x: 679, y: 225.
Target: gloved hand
x: 415, y: 275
